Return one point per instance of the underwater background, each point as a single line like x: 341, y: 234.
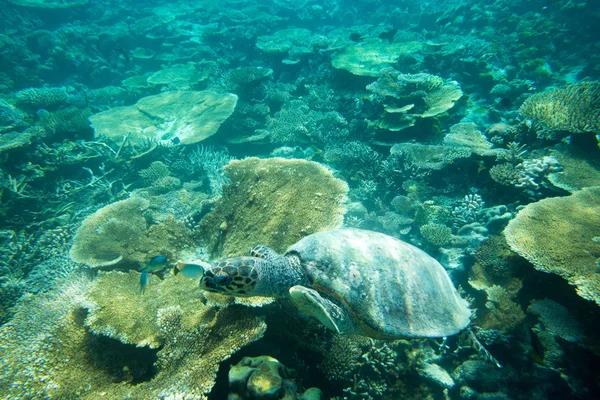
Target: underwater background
x: 135, y: 134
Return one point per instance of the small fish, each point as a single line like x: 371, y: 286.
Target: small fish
x: 176, y: 140
x: 124, y: 53
x: 155, y: 264
x: 537, y: 352
x: 41, y: 113
x: 505, y: 102
x: 191, y: 270
x: 355, y: 37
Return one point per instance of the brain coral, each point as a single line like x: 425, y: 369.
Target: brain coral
x: 274, y: 202
x: 573, y: 108
x: 561, y: 235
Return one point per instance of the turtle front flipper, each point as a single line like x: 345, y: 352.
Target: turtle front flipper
x: 327, y: 312
x: 263, y: 252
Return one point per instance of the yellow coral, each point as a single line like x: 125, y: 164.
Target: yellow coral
x: 120, y: 233
x: 573, y: 108
x: 274, y: 202
x: 560, y: 236
x: 117, y: 309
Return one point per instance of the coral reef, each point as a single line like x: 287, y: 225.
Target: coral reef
x: 274, y: 202
x: 409, y: 97
x: 371, y: 58
x: 572, y: 108
x: 184, y: 117
x: 264, y: 377
x: 127, y: 232
x: 558, y: 235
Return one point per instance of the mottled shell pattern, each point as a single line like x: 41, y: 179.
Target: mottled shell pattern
x: 390, y: 287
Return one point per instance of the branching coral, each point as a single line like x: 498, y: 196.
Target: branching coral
x: 436, y: 235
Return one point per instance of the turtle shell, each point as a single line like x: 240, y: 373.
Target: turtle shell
x: 390, y: 287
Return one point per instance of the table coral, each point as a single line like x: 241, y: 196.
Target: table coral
x: 274, y: 202
x: 560, y: 236
x: 188, y: 116
x: 129, y: 232
x: 369, y: 59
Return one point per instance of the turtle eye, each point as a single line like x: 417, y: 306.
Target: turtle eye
x: 222, y: 280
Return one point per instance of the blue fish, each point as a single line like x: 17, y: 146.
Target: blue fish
x: 155, y: 264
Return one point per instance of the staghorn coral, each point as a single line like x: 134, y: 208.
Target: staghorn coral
x: 572, y: 108
x: 205, y: 162
x: 560, y: 236
x: 468, y: 210
x: 274, y: 202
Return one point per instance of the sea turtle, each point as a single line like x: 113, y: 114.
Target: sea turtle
x: 353, y: 281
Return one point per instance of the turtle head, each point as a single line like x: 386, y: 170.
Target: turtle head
x: 233, y: 276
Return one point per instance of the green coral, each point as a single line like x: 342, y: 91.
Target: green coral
x: 577, y: 170
x: 274, y: 202
x: 560, y: 236
x: 505, y: 174
x: 408, y: 98
x: 71, y: 121
x: 436, y: 235
x: 47, y: 98
x: 572, y: 108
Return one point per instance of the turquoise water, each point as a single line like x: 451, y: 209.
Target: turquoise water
x: 190, y: 132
